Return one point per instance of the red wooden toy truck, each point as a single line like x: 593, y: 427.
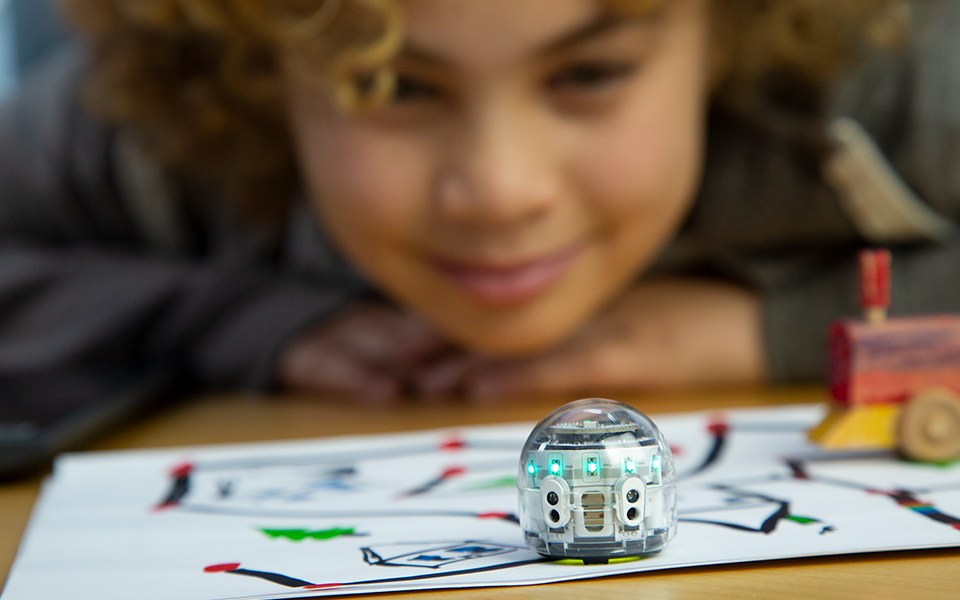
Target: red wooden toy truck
x: 894, y: 383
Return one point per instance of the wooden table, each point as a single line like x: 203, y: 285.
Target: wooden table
x: 896, y: 575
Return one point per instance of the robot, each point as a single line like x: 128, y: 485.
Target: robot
x: 597, y: 482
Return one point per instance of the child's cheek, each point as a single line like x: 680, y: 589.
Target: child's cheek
x: 650, y: 167
x: 646, y: 155
x: 369, y: 187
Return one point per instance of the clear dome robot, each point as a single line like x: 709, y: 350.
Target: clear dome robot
x: 597, y: 482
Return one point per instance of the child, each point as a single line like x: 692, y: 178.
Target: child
x: 480, y: 197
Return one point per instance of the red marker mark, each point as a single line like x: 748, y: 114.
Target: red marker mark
x: 181, y: 485
x: 234, y: 569
x: 453, y: 444
x: 494, y: 515
x: 512, y: 518
x: 181, y: 470
x: 225, y: 567
x: 718, y: 427
x: 452, y: 472
x: 322, y: 586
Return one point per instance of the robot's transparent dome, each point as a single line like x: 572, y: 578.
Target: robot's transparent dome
x: 597, y: 481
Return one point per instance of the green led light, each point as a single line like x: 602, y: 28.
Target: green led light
x: 555, y: 466
x: 532, y: 469
x: 630, y: 466
x: 591, y: 466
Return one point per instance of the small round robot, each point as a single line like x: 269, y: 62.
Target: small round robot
x: 597, y: 482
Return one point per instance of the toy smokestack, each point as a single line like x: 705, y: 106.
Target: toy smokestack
x: 875, y: 284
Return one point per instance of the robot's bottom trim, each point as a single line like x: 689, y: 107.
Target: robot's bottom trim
x: 589, y: 549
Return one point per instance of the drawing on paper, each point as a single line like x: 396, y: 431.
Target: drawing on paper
x: 715, y: 493
x: 439, y: 509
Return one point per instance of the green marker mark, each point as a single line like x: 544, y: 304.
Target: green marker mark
x: 802, y: 520
x: 298, y: 535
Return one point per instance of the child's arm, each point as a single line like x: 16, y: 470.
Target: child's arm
x: 83, y: 288
x: 370, y: 352
x: 663, y: 333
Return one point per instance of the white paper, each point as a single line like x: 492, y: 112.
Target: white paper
x: 435, y: 509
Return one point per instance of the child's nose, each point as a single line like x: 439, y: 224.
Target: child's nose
x: 501, y: 170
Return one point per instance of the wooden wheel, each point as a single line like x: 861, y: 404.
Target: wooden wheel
x: 928, y: 428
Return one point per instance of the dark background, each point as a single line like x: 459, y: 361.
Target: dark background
x: 37, y: 30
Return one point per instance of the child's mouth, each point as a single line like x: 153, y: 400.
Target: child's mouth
x: 509, y: 285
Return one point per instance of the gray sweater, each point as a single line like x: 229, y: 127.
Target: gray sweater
x: 107, y: 267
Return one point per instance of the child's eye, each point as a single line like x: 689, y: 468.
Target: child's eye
x: 587, y: 88
x: 413, y: 89
x: 414, y: 99
x: 590, y: 76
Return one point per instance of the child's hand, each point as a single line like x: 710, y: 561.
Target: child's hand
x: 369, y: 353
x: 661, y: 333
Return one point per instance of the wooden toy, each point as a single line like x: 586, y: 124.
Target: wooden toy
x: 894, y: 383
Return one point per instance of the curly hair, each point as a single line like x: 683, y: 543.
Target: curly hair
x: 199, y: 80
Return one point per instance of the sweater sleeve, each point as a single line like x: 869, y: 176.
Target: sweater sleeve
x: 83, y: 289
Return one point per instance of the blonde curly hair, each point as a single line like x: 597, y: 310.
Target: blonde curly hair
x: 199, y: 80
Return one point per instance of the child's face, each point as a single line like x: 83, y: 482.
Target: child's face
x: 539, y: 155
